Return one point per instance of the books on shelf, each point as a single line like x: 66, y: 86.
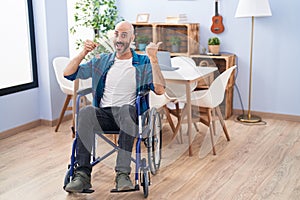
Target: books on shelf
x: 181, y: 18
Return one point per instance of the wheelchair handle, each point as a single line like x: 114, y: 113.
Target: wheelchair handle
x: 81, y: 93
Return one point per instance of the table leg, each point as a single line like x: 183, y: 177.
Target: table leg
x: 189, y: 116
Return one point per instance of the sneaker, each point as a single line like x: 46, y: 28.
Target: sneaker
x: 123, y: 182
x: 80, y: 182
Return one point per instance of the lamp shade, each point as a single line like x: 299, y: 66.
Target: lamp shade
x: 253, y: 8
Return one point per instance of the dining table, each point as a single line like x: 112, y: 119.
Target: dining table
x: 188, y: 77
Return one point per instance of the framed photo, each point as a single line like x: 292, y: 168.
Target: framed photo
x: 142, y: 18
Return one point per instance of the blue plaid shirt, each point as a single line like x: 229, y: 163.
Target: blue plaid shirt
x: 97, y: 68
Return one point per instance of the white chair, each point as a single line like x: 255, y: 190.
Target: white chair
x: 160, y: 103
x: 208, y: 101
x: 67, y: 87
x: 177, y: 91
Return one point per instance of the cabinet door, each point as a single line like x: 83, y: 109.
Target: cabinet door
x: 143, y: 30
x: 188, y: 34
x: 166, y: 33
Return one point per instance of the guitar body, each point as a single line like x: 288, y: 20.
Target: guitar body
x: 217, y: 24
x: 217, y: 21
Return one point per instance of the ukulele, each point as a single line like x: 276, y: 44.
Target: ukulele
x: 217, y: 26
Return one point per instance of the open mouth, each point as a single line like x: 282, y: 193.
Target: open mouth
x: 119, y: 45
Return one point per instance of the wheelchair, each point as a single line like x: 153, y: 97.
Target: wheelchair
x: 149, y: 133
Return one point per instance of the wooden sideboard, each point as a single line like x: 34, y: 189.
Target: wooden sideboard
x: 223, y: 62
x: 187, y: 32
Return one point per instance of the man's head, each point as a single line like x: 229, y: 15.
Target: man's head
x: 123, y: 36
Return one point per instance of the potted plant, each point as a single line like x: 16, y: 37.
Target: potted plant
x: 175, y: 42
x: 142, y: 41
x: 93, y: 14
x: 214, y: 45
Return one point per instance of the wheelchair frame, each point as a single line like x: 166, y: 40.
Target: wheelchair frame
x: 149, y: 131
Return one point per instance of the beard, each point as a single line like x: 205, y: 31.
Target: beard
x: 121, y: 47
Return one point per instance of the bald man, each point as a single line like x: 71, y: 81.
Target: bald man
x: 117, y: 78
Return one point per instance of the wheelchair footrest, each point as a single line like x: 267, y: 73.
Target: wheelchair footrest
x: 130, y: 190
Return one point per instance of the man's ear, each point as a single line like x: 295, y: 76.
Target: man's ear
x: 132, y: 37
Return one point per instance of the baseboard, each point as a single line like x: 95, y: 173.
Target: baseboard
x: 54, y: 122
x: 16, y: 130
x: 30, y: 125
x: 294, y: 118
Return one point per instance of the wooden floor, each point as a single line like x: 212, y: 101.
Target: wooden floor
x: 260, y: 162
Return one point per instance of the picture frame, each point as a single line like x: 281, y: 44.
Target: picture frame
x: 142, y: 18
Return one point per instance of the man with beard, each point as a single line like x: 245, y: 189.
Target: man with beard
x: 117, y: 78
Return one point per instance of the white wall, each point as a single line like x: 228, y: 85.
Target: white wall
x: 276, y: 82
x: 44, y: 102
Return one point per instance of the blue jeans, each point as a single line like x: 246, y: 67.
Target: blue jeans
x: 93, y: 120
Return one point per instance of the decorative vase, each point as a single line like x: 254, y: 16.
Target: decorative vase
x: 214, y: 49
x: 175, y: 48
x: 142, y: 47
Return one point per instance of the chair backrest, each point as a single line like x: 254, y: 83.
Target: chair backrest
x: 158, y: 101
x: 59, y: 64
x: 184, y: 63
x: 67, y: 86
x: 216, y: 91
x: 183, y: 60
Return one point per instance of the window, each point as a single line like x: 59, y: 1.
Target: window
x: 18, y: 70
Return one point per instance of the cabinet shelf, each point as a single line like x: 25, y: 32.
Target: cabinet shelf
x: 162, y: 32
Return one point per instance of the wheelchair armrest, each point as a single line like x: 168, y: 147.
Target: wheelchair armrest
x: 83, y: 92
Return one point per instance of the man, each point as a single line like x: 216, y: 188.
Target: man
x: 117, y: 78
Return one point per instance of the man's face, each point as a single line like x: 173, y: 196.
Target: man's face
x: 122, y: 40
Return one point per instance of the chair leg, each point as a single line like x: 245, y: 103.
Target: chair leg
x: 222, y: 123
x: 179, y: 117
x: 62, y: 113
x: 179, y: 114
x: 180, y: 135
x: 211, y: 131
x: 170, y: 121
x: 115, y: 138
x: 213, y: 111
x: 196, y: 127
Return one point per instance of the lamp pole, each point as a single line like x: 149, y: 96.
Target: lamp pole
x: 252, y: 8
x: 250, y: 118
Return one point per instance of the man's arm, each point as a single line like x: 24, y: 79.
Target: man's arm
x: 75, y: 62
x: 158, y: 79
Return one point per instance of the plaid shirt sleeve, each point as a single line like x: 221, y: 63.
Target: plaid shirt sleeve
x: 84, y: 71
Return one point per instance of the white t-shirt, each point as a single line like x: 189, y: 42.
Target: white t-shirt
x: 120, y: 85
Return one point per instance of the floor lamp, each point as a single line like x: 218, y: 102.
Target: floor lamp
x: 252, y: 8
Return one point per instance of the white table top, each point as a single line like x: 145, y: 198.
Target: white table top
x: 189, y: 74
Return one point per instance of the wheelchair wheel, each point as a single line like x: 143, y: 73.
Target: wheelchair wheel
x: 154, y: 141
x: 67, y: 177
x: 145, y: 183
x: 145, y: 178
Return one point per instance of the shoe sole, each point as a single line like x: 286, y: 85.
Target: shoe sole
x: 76, y: 191
x: 125, y: 188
